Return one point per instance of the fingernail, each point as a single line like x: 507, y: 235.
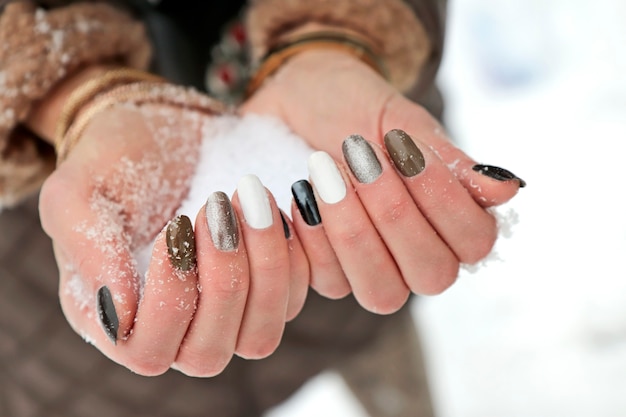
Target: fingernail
x: 285, y: 225
x: 305, y: 201
x: 361, y: 159
x: 107, y: 313
x: 404, y: 153
x: 499, y: 174
x: 181, y: 245
x: 222, y: 222
x: 326, y: 177
x: 255, y: 203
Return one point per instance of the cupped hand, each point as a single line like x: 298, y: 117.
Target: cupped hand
x: 406, y: 228
x: 115, y: 193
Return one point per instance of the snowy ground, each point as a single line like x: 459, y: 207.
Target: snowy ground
x: 538, y: 87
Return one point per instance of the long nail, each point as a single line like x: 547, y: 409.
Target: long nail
x: 404, y: 153
x: 326, y: 177
x: 255, y: 203
x: 361, y: 159
x: 499, y: 174
x: 222, y: 222
x: 305, y: 201
x: 107, y: 313
x: 181, y: 244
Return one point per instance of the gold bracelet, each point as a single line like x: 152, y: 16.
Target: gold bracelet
x: 278, y: 55
x: 138, y: 93
x: 91, y: 89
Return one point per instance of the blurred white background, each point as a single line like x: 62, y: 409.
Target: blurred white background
x: 537, y: 87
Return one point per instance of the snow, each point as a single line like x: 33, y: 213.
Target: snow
x: 537, y: 87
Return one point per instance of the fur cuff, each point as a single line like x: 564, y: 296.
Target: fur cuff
x: 390, y: 26
x: 37, y: 49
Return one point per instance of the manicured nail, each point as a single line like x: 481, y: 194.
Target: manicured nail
x: 404, y: 153
x: 326, y: 177
x: 255, y: 203
x: 285, y: 225
x: 181, y: 244
x: 361, y: 159
x: 107, y: 313
x: 305, y: 201
x: 499, y: 174
x: 220, y: 218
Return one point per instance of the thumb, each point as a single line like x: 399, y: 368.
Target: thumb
x: 96, y: 250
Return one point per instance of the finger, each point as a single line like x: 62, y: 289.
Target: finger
x: 327, y: 277
x: 90, y: 237
x: 168, y: 301
x: 164, y: 312
x: 224, y: 280
x: 427, y: 264
x: 299, y: 270
x: 489, y: 187
x: 463, y: 224
x: 373, y: 275
x: 268, y: 260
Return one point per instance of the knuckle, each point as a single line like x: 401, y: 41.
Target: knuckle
x: 443, y: 277
x: 394, y: 211
x: 480, y: 245
x: 334, y: 290
x: 231, y: 286
x: 202, y: 364
x: 274, y: 265
x: 388, y: 304
x: 351, y: 235
x: 148, y: 366
x: 259, y: 349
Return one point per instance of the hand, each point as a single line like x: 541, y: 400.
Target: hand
x: 400, y: 233
x: 114, y: 194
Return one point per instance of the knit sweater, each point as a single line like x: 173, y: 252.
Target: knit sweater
x: 41, y: 43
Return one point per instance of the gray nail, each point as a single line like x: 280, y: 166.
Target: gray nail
x: 404, y: 153
x: 222, y: 222
x: 361, y: 159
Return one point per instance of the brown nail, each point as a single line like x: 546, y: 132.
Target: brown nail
x: 222, y: 222
x: 181, y: 244
x: 404, y: 153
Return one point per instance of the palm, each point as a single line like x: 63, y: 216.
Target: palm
x: 119, y: 186
x: 325, y: 103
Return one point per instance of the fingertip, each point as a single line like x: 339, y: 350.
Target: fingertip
x: 498, y: 174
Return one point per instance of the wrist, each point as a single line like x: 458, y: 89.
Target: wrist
x: 44, y: 115
x: 307, y: 42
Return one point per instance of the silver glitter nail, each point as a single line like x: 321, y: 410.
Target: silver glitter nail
x: 222, y: 223
x: 361, y: 159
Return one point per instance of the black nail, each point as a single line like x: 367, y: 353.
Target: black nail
x: 285, y: 225
x: 499, y: 174
x: 305, y: 200
x: 107, y: 313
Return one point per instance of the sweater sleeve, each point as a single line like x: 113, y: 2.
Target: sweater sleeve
x: 38, y: 48
x: 407, y: 35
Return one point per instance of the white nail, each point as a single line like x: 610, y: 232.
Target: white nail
x: 255, y: 203
x: 326, y: 177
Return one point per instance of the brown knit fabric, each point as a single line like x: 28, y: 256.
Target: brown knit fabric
x: 390, y: 25
x: 37, y: 49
